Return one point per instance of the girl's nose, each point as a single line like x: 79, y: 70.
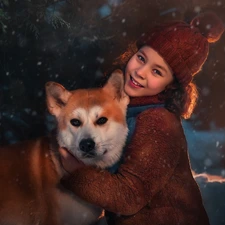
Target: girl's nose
x: 141, y: 72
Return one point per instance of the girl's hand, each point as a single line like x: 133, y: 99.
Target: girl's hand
x: 69, y: 162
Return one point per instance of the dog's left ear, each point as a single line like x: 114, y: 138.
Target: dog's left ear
x: 57, y: 97
x: 115, y: 84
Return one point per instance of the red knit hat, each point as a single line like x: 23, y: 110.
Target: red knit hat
x: 184, y: 46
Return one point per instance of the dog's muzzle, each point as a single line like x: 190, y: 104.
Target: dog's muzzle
x: 87, y: 146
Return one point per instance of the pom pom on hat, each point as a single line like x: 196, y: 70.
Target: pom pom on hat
x: 209, y: 25
x: 184, y: 46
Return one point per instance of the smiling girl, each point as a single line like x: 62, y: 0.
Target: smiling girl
x: 153, y: 185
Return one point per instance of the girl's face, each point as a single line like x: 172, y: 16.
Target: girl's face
x: 146, y: 73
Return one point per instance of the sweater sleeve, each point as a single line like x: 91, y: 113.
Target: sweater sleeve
x: 149, y: 162
x: 155, y: 148
x: 121, y: 193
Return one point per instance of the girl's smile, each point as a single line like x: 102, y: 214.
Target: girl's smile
x: 134, y: 83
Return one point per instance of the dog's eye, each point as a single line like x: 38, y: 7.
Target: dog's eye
x: 101, y: 120
x: 75, y: 122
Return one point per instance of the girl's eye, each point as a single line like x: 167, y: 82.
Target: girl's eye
x: 157, y: 72
x: 75, y: 122
x: 141, y: 58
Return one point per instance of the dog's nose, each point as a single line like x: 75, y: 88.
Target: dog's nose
x: 87, y: 145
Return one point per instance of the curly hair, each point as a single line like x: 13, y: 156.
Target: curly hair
x: 179, y: 99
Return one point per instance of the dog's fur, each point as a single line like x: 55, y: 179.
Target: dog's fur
x: 91, y: 124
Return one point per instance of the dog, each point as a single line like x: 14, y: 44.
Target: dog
x: 91, y: 125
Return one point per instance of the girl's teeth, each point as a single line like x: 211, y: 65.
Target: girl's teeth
x: 135, y: 82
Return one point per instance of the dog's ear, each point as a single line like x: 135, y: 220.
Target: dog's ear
x: 56, y: 96
x: 115, y: 84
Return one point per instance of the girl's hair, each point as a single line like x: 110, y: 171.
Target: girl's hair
x: 179, y: 99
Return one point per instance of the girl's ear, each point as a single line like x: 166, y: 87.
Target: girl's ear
x: 115, y: 85
x: 56, y: 96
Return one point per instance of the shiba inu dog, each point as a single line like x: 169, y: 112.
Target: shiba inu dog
x: 91, y: 124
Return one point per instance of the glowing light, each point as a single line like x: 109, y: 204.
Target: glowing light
x: 209, y: 177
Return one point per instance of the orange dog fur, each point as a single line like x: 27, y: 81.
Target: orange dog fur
x: 91, y: 124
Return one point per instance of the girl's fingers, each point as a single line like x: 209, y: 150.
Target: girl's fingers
x: 69, y: 162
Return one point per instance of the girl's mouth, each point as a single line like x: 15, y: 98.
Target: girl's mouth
x: 134, y: 83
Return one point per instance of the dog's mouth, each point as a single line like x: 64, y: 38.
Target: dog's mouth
x: 85, y: 155
x: 89, y: 155
x: 93, y: 154
x: 89, y: 149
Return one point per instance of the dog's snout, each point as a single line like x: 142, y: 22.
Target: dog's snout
x: 87, y: 145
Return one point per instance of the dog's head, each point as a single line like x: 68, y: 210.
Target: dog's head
x: 91, y: 122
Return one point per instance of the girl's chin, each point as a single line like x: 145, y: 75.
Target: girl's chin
x: 130, y: 92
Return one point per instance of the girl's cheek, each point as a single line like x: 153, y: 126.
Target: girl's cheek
x: 131, y: 64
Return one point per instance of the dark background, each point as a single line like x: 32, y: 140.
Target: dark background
x: 75, y: 42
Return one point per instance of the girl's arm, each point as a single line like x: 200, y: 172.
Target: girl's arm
x: 149, y: 162
x: 121, y: 193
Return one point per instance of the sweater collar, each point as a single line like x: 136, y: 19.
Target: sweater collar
x: 145, y: 100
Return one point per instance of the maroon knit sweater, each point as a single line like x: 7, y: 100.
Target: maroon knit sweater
x: 154, y: 185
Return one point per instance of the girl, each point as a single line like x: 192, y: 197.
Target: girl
x: 154, y: 184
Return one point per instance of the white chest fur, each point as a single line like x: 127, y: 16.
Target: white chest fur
x: 74, y: 211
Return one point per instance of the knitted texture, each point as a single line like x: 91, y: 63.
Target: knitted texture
x: 184, y: 46
x: 154, y: 184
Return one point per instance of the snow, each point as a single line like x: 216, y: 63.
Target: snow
x: 104, y: 11
x: 197, y: 9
